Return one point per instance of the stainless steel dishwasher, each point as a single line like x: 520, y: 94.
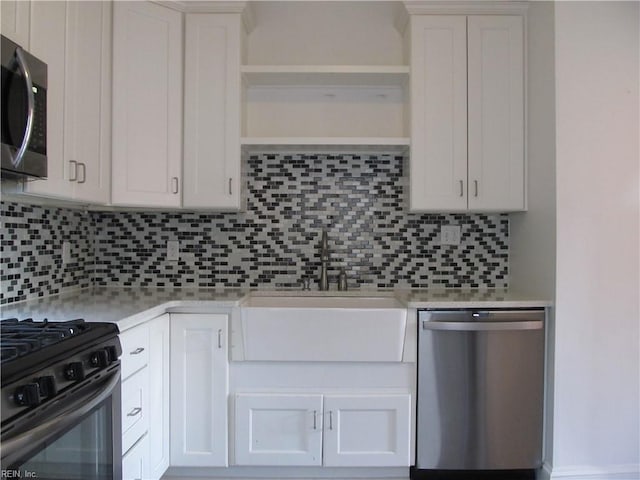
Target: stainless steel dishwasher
x: 480, y: 390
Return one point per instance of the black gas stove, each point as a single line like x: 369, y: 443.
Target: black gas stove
x: 40, y: 359
x: 60, y: 374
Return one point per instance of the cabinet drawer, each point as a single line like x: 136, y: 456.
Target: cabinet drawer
x: 135, y: 350
x: 133, y: 462
x: 135, y: 419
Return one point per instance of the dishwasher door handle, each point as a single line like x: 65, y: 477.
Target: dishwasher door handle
x: 483, y: 326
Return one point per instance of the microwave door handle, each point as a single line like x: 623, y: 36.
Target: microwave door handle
x: 31, y: 101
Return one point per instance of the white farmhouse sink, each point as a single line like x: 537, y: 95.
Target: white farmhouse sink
x: 323, y: 328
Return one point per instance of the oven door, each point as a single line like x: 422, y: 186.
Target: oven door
x: 80, y: 438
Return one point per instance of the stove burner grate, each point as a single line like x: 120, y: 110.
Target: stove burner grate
x: 18, y: 338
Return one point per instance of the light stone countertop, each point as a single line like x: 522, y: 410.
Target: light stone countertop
x: 130, y: 306
x: 126, y: 306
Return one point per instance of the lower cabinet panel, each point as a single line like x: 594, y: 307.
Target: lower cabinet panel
x: 199, y: 383
x: 134, y: 462
x: 135, y: 419
x: 278, y: 429
x: 369, y: 430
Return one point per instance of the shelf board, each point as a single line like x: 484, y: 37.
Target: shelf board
x: 325, y: 75
x: 332, y: 144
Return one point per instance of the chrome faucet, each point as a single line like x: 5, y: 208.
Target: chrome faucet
x: 323, y: 281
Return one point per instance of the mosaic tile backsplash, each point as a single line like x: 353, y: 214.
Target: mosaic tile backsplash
x: 274, y: 243
x: 31, y: 263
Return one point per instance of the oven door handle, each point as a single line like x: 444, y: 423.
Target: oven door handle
x: 63, y: 419
x: 21, y: 62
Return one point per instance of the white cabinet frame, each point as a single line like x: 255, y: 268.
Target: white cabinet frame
x: 278, y: 429
x: 467, y: 119
x: 298, y: 429
x: 367, y: 430
x: 199, y: 386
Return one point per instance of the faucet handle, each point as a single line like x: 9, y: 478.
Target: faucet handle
x: 342, y: 280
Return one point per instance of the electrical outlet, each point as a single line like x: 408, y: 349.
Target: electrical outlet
x: 66, y: 252
x: 450, y: 235
x: 173, y: 250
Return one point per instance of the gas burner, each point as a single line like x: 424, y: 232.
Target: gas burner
x: 18, y: 338
x: 28, y: 346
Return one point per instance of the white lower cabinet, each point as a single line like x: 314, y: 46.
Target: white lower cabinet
x: 145, y: 400
x: 331, y: 430
x: 135, y: 402
x: 159, y: 396
x: 278, y: 429
x: 367, y: 430
x: 199, y: 386
x: 134, y: 461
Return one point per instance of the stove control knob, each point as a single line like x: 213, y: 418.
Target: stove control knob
x: 47, y: 386
x: 74, y: 371
x: 27, y: 395
x: 100, y: 359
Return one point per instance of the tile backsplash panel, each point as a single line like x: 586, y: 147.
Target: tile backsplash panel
x: 274, y: 243
x: 31, y: 251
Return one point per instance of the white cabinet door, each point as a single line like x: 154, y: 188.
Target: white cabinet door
x: 87, y: 146
x: 467, y: 132
x: 135, y: 408
x: 278, y: 429
x: 147, y: 104
x: 48, y: 31
x: 159, y: 367
x: 74, y: 39
x: 367, y: 430
x: 438, y: 179
x: 496, y: 112
x: 212, y: 111
x: 134, y: 462
x: 15, y: 16
x: 199, y: 386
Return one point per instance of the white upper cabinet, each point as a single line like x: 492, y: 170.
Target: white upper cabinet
x: 88, y: 101
x: 467, y: 121
x: 211, y: 166
x: 147, y: 105
x: 439, y: 115
x: 496, y: 113
x: 14, y: 21
x: 48, y: 27
x: 74, y: 39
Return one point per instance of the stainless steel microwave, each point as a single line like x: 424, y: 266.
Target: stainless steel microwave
x: 24, y: 112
